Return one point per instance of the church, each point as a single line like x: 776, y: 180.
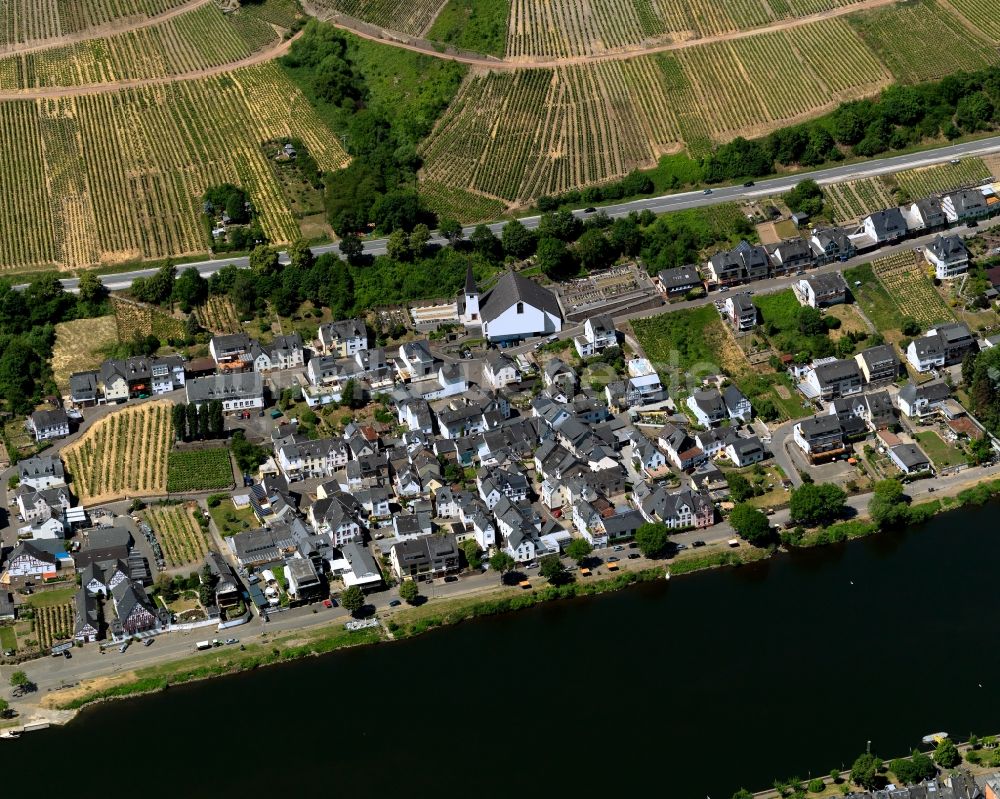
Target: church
x: 514, y: 309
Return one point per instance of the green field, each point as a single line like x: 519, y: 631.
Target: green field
x: 231, y: 520
x: 479, y: 25
x: 48, y: 599
x: 942, y: 455
x: 199, y: 470
x: 8, y: 639
x: 874, y: 300
x: 677, y: 339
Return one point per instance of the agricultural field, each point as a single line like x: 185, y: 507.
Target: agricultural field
x: 199, y: 470
x: 683, y: 340
x: 76, y: 166
x: 855, y: 199
x: 905, y: 280
x: 901, y: 34
x: 414, y: 17
x: 79, y: 346
x: 982, y: 14
x: 874, y: 301
x: 942, y: 178
x: 53, y: 623
x: 135, y: 319
x: 219, y: 316
x: 33, y: 21
x: 177, y: 529
x: 198, y: 40
x: 125, y: 453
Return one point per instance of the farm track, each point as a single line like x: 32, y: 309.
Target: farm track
x: 55, y: 92
x: 407, y: 42
x: 101, y: 31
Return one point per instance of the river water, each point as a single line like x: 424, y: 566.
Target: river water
x: 694, y: 688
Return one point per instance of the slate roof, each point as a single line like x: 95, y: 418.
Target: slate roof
x: 511, y: 289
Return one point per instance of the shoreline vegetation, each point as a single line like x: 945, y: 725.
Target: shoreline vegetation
x: 413, y: 621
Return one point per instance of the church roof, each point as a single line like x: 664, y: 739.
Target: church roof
x: 511, y: 289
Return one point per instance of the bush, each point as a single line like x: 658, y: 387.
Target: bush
x: 817, y: 785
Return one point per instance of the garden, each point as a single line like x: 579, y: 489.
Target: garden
x: 181, y: 532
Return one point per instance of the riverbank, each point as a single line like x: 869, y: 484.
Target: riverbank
x: 409, y: 622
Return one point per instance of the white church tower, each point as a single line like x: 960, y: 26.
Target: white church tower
x: 470, y: 305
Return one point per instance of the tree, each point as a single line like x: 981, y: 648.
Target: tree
x: 806, y: 197
x: 216, y: 422
x: 4, y: 704
x: 888, y: 507
x: 552, y: 257
x: 865, y: 771
x: 397, y: 246
x: 518, y: 241
x: 419, y: 239
x: 743, y: 793
x: 263, y: 260
x: 910, y: 327
x: 595, y: 251
x: 179, y: 415
x: 451, y: 229
x: 190, y: 289
x: 92, y: 290
x: 485, y: 243
x: 751, y: 524
x: 739, y: 487
x: 502, y: 563
x: 352, y: 395
x: 408, y: 591
x: 19, y: 680
x: 946, y: 755
x: 472, y: 553
x: 813, y: 504
x: 652, y: 539
x: 579, y: 549
x: 352, y: 599
x: 351, y: 246
x: 917, y: 768
x: 194, y: 432
x: 299, y: 254
x: 553, y: 570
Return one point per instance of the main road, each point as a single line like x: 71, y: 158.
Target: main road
x: 658, y: 205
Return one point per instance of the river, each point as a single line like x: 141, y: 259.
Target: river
x: 695, y: 687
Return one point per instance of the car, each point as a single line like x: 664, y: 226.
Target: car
x: 613, y: 559
x: 148, y: 642
x: 633, y: 545
x: 590, y: 210
x: 531, y: 566
x: 634, y: 556
x: 931, y: 489
x: 395, y: 603
x: 618, y: 548
x: 67, y: 654
x: 327, y: 603
x: 681, y: 547
x: 451, y: 578
x: 723, y: 288
x: 124, y: 646
x: 707, y: 191
x: 697, y: 544
x: 748, y: 184
x: 972, y: 223
x: 232, y: 640
x: 749, y: 291
x: 955, y: 161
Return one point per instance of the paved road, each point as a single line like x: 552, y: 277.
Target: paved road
x: 671, y: 202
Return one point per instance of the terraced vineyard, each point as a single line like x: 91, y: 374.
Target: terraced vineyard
x: 219, y: 315
x: 119, y: 176
x: 125, y: 453
x: 905, y: 280
x: 902, y: 35
x: 199, y: 470
x: 414, y: 17
x: 943, y: 177
x: 983, y: 14
x: 464, y: 206
x: 23, y: 21
x: 177, y: 529
x: 850, y: 201
x: 199, y: 39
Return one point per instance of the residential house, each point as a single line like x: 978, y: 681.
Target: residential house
x: 680, y: 448
x: 561, y: 376
x: 29, y: 560
x: 83, y: 389
x: 715, y: 439
x: 499, y: 370
x: 708, y: 407
x: 879, y: 365
x: 416, y: 361
x: 948, y: 256
x: 677, y: 510
x: 237, y: 391
x: 284, y: 352
x: 820, y: 291
x: 46, y: 425
x: 742, y: 264
x: 737, y: 404
x: 941, y: 346
x: 791, y: 255
x: 741, y: 311
x: 86, y: 623
x: 924, y: 214
x: 745, y: 451
x: 515, y: 308
x: 965, y: 204
x: 647, y: 455
x: 304, y: 583
x: 41, y: 471
x: 362, y: 568
x: 919, y: 401
x: 428, y: 556
x: 679, y: 280
x: 302, y: 460
x: 135, y: 612
x: 819, y: 437
x: 599, y: 333
x: 885, y: 226
x: 230, y: 351
x: 831, y: 244
x: 908, y: 458
x: 835, y: 378
x: 343, y: 338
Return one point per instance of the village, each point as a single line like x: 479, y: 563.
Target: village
x: 518, y: 421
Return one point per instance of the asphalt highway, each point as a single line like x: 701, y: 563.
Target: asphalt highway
x: 669, y: 202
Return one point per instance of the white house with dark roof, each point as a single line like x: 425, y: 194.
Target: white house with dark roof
x: 41, y: 471
x: 941, y: 346
x: 679, y: 280
x: 831, y: 244
x: 236, y: 391
x: 344, y: 338
x: 879, y: 364
x: 834, y: 378
x: 499, y: 370
x: 949, y: 257
x: 791, y: 255
x: 516, y: 308
x: 924, y: 214
x: 745, y: 451
x: 46, y: 425
x: 284, y: 352
x: 965, y: 204
x: 909, y: 459
x: 230, y: 350
x: 741, y: 311
x: 820, y: 291
x: 884, y: 226
x: 599, y: 333
x: 707, y: 407
x: 819, y: 437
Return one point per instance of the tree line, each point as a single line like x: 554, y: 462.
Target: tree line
x: 194, y: 423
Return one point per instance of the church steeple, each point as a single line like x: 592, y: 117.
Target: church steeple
x: 471, y: 314
x: 470, y: 281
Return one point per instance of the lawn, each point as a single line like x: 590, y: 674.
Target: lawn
x: 8, y: 640
x: 874, y: 300
x: 780, y: 313
x: 47, y: 599
x: 678, y: 339
x: 777, y: 388
x: 850, y: 321
x: 941, y: 454
x: 230, y: 520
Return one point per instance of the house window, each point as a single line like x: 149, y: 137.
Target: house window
x: 520, y: 307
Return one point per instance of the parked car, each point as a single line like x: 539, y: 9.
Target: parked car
x: 232, y: 640
x: 148, y: 642
x: 67, y: 654
x: 697, y: 544
x: 395, y: 603
x: 748, y: 184
x: 327, y: 603
x: 633, y: 556
x: 613, y: 559
x: 619, y: 548
x: 633, y: 545
x: 451, y: 578
x: 590, y: 210
x: 124, y: 646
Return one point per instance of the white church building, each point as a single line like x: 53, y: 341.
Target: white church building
x: 514, y: 309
